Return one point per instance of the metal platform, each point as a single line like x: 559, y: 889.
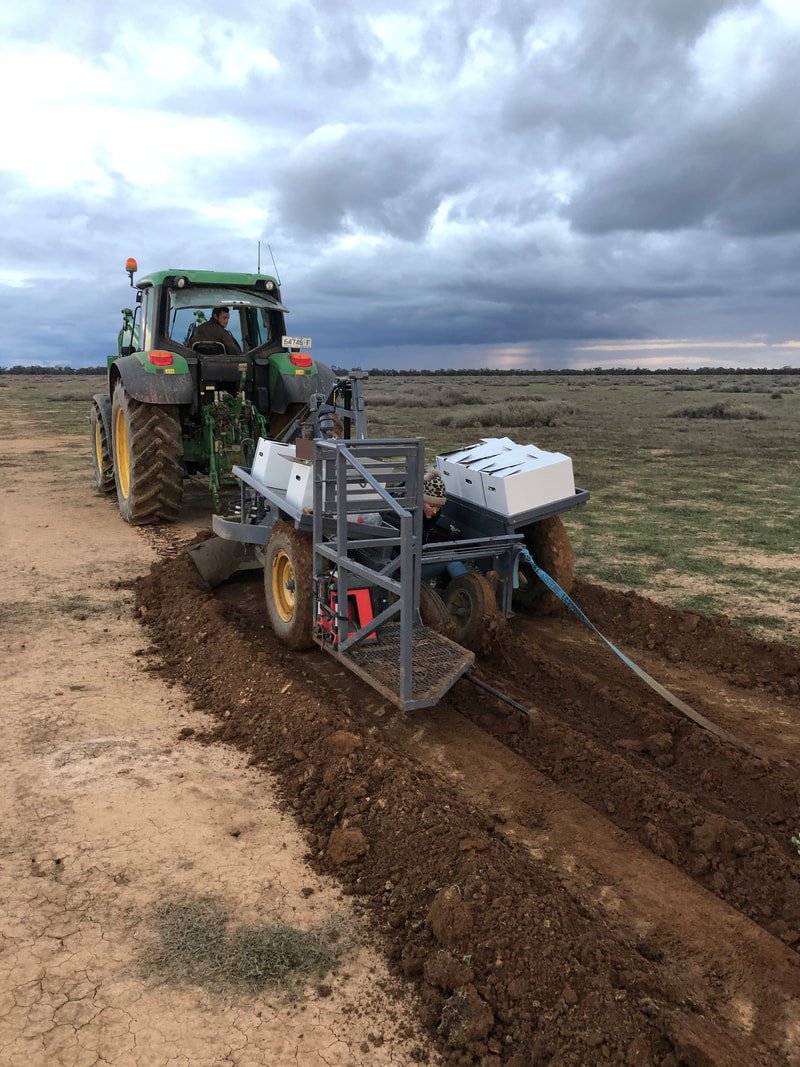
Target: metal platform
x: 437, y: 664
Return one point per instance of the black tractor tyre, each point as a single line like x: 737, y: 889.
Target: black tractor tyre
x: 288, y: 574
x: 471, y: 602
x: 102, y: 463
x: 548, y: 543
x: 147, y: 450
x: 433, y: 611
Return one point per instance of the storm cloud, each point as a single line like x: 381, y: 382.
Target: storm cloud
x: 451, y: 183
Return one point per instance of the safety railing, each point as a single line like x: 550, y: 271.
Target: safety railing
x: 367, y: 533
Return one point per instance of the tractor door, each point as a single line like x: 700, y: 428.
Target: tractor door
x: 149, y: 308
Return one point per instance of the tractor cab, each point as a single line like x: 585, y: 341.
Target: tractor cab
x: 172, y: 305
x: 256, y: 320
x: 208, y: 391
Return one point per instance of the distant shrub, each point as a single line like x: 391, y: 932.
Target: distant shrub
x: 521, y: 413
x: 451, y: 397
x: 741, y: 387
x: 776, y: 396
x: 720, y: 410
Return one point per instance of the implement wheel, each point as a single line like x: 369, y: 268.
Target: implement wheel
x: 548, y: 543
x: 147, y: 451
x: 472, y: 605
x: 288, y: 573
x: 102, y: 463
x: 433, y: 611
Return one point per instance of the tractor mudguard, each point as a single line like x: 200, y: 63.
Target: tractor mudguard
x: 291, y: 385
x: 157, y: 385
x: 103, y: 402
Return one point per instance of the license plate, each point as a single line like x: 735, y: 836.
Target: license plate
x: 296, y: 342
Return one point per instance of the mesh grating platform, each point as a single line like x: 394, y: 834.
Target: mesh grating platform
x: 438, y: 663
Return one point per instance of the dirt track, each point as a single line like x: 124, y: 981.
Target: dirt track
x: 106, y: 816
x: 599, y: 881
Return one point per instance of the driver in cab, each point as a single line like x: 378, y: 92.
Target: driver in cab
x: 216, y: 329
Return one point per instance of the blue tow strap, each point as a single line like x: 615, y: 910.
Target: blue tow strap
x: 662, y: 691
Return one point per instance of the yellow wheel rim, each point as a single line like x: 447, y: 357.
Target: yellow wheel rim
x: 98, y: 446
x: 122, y: 454
x: 283, y: 585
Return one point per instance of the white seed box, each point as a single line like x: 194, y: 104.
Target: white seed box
x: 273, y: 463
x: 507, y: 478
x: 300, y: 488
x: 459, y: 470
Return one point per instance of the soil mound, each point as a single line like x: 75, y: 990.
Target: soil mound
x: 510, y: 968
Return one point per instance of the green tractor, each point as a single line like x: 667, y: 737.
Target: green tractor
x: 183, y: 400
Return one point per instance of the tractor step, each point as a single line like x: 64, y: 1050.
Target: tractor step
x: 437, y: 664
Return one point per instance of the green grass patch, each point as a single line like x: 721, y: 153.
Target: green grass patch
x: 197, y: 943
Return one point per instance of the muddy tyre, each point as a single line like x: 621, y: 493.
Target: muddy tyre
x: 433, y: 611
x: 472, y: 605
x: 548, y: 543
x: 147, y: 451
x: 102, y: 463
x: 288, y: 573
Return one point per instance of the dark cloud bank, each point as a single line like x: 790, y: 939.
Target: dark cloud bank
x: 512, y: 176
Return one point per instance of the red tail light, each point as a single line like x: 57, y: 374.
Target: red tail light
x: 161, y: 359
x: 300, y: 359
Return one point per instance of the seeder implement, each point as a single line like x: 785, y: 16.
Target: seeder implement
x: 337, y: 525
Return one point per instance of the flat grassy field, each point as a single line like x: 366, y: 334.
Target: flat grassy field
x: 697, y: 512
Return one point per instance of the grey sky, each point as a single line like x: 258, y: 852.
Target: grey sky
x: 443, y: 184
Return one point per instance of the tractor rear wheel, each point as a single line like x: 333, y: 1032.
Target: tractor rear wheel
x: 433, y: 611
x: 548, y: 543
x: 102, y: 463
x: 147, y: 449
x: 288, y: 573
x: 472, y: 605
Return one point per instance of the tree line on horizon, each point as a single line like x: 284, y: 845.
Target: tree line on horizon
x: 489, y: 372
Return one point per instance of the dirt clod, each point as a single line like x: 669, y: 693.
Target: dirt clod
x: 345, y: 845
x: 466, y: 1017
x: 344, y: 743
x: 446, y: 972
x: 450, y: 917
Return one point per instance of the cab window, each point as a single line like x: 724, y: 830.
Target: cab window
x: 182, y: 322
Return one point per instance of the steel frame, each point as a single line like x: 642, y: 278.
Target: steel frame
x: 354, y: 478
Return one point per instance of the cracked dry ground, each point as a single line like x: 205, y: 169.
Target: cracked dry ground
x: 105, y: 815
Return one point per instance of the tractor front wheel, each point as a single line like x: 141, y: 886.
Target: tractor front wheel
x: 102, y: 463
x: 288, y: 573
x: 147, y: 449
x: 548, y: 543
